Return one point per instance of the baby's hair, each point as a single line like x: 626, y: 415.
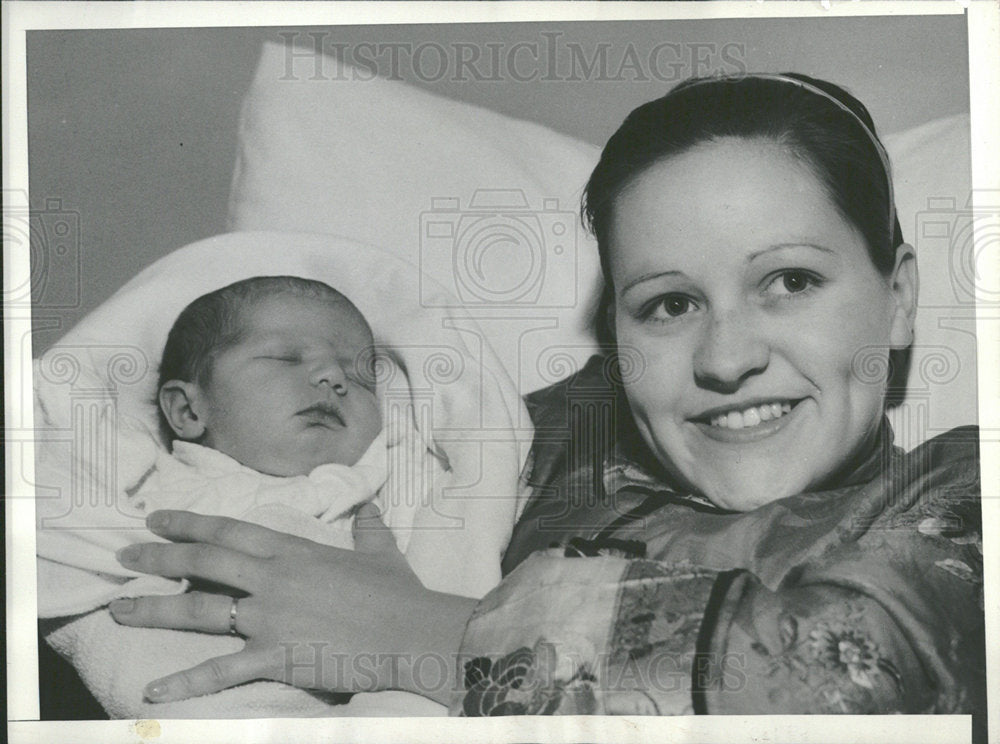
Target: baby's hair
x: 214, y: 322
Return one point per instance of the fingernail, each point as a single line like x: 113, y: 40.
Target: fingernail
x: 369, y: 511
x: 122, y: 606
x: 156, y: 691
x: 128, y: 554
x: 158, y: 520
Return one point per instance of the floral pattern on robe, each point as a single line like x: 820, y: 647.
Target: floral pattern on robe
x: 625, y: 595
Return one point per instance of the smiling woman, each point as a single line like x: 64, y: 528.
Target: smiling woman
x: 720, y: 521
x: 750, y: 269
x: 753, y: 266
x: 750, y: 296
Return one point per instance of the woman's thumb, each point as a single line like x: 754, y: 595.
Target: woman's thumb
x: 370, y: 533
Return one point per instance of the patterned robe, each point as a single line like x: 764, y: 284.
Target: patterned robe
x: 625, y: 595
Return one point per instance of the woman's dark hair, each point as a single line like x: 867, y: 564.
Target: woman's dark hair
x: 838, y: 145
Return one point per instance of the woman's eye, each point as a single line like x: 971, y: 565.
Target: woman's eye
x: 669, y: 306
x: 287, y: 358
x: 793, y: 281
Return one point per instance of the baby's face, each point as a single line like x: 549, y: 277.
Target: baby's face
x: 292, y: 394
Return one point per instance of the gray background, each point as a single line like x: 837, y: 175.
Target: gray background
x: 135, y: 131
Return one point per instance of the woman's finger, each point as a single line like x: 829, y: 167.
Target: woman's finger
x: 194, y: 560
x: 210, y: 613
x: 370, y: 533
x: 210, y: 676
x: 183, y: 526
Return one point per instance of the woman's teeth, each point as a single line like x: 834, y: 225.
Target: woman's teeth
x: 751, y: 416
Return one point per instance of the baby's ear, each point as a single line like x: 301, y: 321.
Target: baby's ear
x: 178, y: 401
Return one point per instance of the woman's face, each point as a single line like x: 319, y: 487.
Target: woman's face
x: 756, y: 309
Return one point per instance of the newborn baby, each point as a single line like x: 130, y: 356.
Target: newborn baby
x: 266, y: 388
x: 267, y: 391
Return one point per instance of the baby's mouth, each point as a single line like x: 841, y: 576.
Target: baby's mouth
x: 323, y: 414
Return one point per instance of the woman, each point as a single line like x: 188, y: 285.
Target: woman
x: 735, y: 531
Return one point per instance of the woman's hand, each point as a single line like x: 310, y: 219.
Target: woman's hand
x: 314, y: 616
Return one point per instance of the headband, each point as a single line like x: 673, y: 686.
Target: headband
x: 879, y: 147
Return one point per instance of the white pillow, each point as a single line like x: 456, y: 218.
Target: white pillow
x: 388, y: 164
x: 485, y: 204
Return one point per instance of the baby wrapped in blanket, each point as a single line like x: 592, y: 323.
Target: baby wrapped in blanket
x: 268, y: 388
x: 268, y: 391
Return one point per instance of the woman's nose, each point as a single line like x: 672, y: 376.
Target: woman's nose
x: 729, y: 351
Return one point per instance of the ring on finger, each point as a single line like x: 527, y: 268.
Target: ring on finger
x: 232, y: 617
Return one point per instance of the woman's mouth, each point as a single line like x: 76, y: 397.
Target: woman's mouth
x: 751, y: 416
x: 747, y: 422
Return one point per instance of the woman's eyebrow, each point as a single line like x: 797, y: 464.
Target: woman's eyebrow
x: 785, y: 246
x: 647, y: 277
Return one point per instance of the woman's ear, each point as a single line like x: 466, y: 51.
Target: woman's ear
x: 904, y: 283
x: 179, y: 401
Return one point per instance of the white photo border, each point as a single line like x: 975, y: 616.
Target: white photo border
x: 23, y: 710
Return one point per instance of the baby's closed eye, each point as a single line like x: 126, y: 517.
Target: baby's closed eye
x: 280, y: 354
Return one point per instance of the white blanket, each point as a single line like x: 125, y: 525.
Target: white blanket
x: 318, y: 506
x: 95, y: 416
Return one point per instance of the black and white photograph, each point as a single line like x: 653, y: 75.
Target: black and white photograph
x: 619, y: 372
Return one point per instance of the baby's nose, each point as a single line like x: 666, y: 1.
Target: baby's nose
x: 330, y: 373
